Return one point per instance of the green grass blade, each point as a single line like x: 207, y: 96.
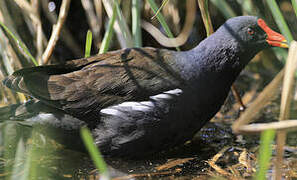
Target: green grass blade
x: 248, y: 8
x: 94, y: 151
x: 108, y: 34
x: 162, y: 5
x: 123, y: 25
x: 20, y: 44
x: 136, y: 27
x: 208, y: 20
x: 203, y: 5
x: 161, y: 19
x: 294, y: 3
x: 265, y: 152
x: 224, y: 7
x: 88, y: 44
x: 280, y: 20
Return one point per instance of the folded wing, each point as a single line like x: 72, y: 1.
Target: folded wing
x: 85, y: 86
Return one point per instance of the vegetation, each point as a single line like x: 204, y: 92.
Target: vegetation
x: 41, y: 32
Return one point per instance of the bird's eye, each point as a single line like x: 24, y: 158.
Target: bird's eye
x: 251, y: 31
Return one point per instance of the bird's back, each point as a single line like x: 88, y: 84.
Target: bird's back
x: 85, y: 86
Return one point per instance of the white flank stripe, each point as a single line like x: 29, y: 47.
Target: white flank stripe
x: 109, y: 111
x: 174, y: 92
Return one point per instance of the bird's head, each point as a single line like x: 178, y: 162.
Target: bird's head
x: 252, y: 32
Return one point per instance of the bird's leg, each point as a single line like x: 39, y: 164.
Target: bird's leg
x: 237, y: 97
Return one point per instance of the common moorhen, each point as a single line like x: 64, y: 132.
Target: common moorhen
x: 142, y: 100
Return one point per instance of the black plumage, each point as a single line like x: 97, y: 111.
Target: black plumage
x: 142, y: 100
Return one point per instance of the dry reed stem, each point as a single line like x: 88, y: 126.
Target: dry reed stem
x: 4, y: 41
x: 288, y: 82
x: 182, y: 37
x: 126, y: 9
x: 99, y: 10
x: 26, y: 7
x: 66, y: 35
x: 278, y: 165
x: 149, y: 175
x: 205, y: 16
x: 286, y: 98
x: 9, y: 55
x: 263, y: 98
x: 172, y: 163
x: 285, y: 125
x: 92, y: 19
x: 123, y: 33
x: 56, y: 31
x: 99, y: 14
x: 32, y: 10
x: 13, y: 62
x: 246, y: 161
x: 39, y: 31
x: 212, y: 162
x: 7, y: 20
x: 170, y: 9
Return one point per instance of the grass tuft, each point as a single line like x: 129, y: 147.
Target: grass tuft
x: 22, y: 47
x: 94, y: 152
x: 161, y: 19
x: 88, y: 44
x: 267, y: 138
x: 108, y: 34
x: 280, y: 20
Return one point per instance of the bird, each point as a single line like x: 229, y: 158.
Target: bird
x: 140, y: 101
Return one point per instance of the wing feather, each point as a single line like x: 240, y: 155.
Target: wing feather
x: 83, y: 87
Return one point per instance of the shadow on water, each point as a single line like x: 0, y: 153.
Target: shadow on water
x: 59, y: 155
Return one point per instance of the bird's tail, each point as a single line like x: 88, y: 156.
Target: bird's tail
x: 53, y: 124
x: 15, y: 83
x: 36, y: 112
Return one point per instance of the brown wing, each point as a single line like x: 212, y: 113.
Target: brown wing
x: 83, y: 87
